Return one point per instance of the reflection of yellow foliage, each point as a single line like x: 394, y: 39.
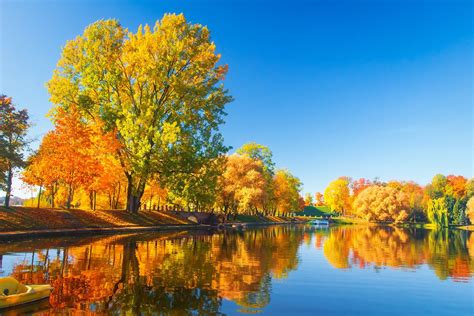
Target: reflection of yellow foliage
x: 445, y: 251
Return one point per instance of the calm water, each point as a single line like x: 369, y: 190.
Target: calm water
x: 280, y: 270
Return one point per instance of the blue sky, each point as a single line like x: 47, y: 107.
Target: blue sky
x: 356, y: 88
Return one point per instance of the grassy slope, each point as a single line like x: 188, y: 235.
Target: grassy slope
x: 29, y: 218
x: 315, y: 211
x: 25, y: 218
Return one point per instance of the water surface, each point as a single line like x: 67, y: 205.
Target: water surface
x: 278, y: 270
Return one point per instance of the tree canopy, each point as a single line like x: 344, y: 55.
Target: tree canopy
x: 159, y: 90
x: 14, y: 125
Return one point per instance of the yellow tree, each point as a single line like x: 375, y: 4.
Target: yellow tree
x: 337, y: 195
x: 242, y: 185
x: 41, y: 169
x: 160, y: 90
x: 287, y: 192
x: 34, y: 173
x: 382, y: 203
x: 264, y: 154
x: 154, y: 194
x: 470, y: 209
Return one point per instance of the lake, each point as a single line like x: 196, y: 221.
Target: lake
x: 277, y: 270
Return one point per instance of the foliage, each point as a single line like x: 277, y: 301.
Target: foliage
x: 470, y: 209
x: 258, y: 152
x: 308, y: 199
x: 438, y: 212
x: 337, y: 195
x: 242, y: 185
x: 319, y: 199
x: 470, y: 188
x: 438, y: 186
x: 382, y: 203
x: 287, y: 189
x: 14, y: 125
x: 158, y: 89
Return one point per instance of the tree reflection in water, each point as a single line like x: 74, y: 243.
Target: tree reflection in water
x: 445, y: 251
x: 192, y: 272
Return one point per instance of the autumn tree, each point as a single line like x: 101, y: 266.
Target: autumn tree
x: 155, y: 195
x: 308, y: 199
x: 415, y: 195
x: 242, y: 185
x: 69, y: 146
x: 319, y: 199
x: 470, y: 188
x: 287, y: 192
x: 258, y: 152
x: 337, y: 195
x: 264, y: 154
x: 159, y: 89
x: 470, y: 209
x: 34, y: 173
x: 39, y: 171
x: 14, y: 125
x: 382, y: 203
x: 456, y: 186
x: 359, y: 185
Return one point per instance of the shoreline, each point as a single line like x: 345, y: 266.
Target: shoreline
x: 72, y: 232
x: 23, y: 222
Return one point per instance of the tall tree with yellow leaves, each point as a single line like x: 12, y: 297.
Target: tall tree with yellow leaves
x: 159, y: 89
x: 337, y: 195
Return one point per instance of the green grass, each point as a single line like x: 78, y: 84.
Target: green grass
x: 316, y: 211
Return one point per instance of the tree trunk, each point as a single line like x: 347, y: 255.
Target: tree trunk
x: 91, y: 200
x: 69, y: 197
x: 134, y: 194
x: 110, y: 201
x: 39, y: 197
x: 118, y: 195
x: 9, y: 186
x: 95, y: 200
x: 53, y: 192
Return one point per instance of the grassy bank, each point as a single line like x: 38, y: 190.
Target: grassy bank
x: 28, y: 219
x: 25, y: 218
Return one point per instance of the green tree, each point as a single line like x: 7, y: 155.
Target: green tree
x: 160, y: 90
x: 259, y: 152
x: 459, y: 212
x: 438, y: 186
x: 14, y: 125
x: 438, y: 212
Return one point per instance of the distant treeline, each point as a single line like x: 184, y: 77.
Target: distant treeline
x: 447, y: 200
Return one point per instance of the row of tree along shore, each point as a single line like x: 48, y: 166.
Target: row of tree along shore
x: 137, y: 121
x: 446, y: 201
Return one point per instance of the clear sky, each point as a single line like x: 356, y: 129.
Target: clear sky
x: 356, y: 88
